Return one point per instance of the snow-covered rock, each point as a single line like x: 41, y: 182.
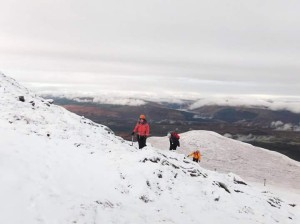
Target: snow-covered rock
x: 57, y: 167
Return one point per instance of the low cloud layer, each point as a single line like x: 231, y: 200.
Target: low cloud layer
x: 271, y: 103
x: 280, y: 126
x: 138, y: 98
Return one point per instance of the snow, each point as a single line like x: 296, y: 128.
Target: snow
x: 57, y: 167
x: 255, y: 165
x: 227, y: 155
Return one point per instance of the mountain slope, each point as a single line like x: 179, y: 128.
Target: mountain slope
x: 57, y: 167
x: 228, y: 155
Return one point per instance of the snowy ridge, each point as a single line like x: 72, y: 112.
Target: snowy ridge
x: 56, y: 167
x: 37, y: 115
x: 227, y: 155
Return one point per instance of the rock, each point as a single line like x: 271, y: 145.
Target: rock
x: 22, y: 98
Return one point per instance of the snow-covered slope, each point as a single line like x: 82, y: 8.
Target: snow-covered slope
x: 227, y: 155
x: 56, y: 167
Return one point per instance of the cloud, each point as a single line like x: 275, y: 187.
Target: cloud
x: 251, y: 138
x: 119, y: 101
x: 272, y: 103
x: 280, y: 126
x: 188, y: 48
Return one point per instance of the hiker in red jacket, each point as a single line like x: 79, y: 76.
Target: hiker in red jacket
x: 142, y: 131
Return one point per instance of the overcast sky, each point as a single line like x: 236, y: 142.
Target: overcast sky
x: 189, y: 48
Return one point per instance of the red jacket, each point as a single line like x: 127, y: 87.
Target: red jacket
x: 142, y: 129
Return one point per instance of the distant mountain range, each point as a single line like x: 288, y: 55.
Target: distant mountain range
x: 277, y: 130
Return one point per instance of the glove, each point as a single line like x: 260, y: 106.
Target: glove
x: 132, y: 133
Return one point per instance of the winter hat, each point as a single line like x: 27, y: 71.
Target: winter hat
x: 142, y: 116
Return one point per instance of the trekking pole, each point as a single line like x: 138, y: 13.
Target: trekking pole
x: 132, y: 140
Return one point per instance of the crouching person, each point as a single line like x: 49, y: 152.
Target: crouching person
x: 196, y: 156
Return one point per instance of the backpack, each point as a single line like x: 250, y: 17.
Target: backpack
x: 197, y: 155
x: 175, y: 135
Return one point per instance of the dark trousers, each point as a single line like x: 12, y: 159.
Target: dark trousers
x: 195, y: 160
x: 173, y: 146
x: 141, y: 141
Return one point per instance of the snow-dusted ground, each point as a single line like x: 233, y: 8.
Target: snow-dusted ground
x: 56, y: 167
x: 252, y: 163
x: 228, y: 155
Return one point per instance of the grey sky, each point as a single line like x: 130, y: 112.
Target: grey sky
x: 191, y: 47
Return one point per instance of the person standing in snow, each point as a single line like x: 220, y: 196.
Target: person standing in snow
x: 142, y: 130
x: 174, y: 140
x: 196, y: 156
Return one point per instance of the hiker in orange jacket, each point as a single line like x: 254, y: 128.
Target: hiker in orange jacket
x: 196, y: 156
x: 142, y: 130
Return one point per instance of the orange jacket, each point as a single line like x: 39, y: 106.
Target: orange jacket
x: 142, y: 129
x: 196, y: 155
